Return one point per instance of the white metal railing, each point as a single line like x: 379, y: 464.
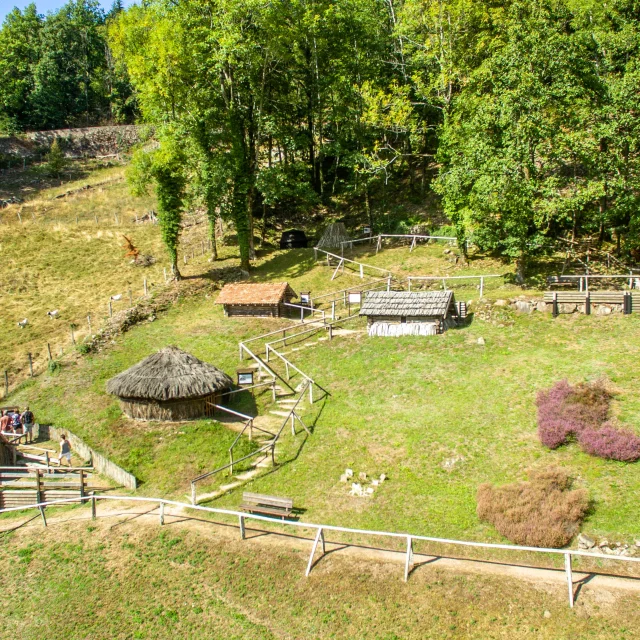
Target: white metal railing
x: 410, y: 538
x: 583, y: 280
x: 445, y: 278
x: 341, y: 261
x: 414, y: 237
x: 303, y: 308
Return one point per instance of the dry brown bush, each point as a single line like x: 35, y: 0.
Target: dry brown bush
x: 543, y: 512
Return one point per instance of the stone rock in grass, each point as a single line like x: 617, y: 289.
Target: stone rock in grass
x: 348, y: 473
x: 356, y: 489
x: 362, y: 475
x: 541, y: 307
x: 603, y: 311
x: 344, y: 477
x: 522, y: 306
x: 603, y: 543
x: 547, y: 614
x: 481, y: 341
x: 566, y: 307
x: 382, y: 478
x: 585, y: 542
x: 501, y: 303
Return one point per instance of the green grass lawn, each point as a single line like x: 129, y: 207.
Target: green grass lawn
x: 103, y: 580
x: 403, y: 407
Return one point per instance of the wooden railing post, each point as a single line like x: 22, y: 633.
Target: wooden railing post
x: 242, y: 529
x: 81, y: 483
x: 231, y: 461
x: 44, y: 518
x: 319, y: 537
x: 161, y: 513
x: 409, y: 559
x: 193, y: 494
x: 569, y: 573
x: 93, y: 506
x: 38, y: 486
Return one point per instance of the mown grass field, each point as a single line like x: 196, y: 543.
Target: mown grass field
x: 405, y: 408
x: 108, y: 579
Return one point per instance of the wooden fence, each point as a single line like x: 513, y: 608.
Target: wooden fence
x: 21, y: 486
x: 408, y: 539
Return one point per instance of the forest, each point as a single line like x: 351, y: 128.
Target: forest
x: 519, y: 118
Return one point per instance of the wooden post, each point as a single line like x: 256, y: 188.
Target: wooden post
x: 409, y: 559
x: 361, y: 272
x: 110, y: 309
x: 89, y: 321
x: 286, y: 366
x: 38, y: 486
x: 130, y: 298
x: 587, y: 304
x: 165, y: 273
x: 73, y: 338
x: 184, y: 257
x: 193, y: 494
x: 388, y: 283
x: 273, y: 455
x: 46, y: 459
x: 82, y: 483
x: 293, y: 423
x: 93, y: 506
x: 567, y: 568
x: 409, y: 281
x: 49, y: 351
x: 44, y: 518
x: 6, y: 383
x: 96, y: 217
x: 30, y: 364
x: 19, y: 217
x: 144, y: 284
x: 554, y: 311
x: 311, y: 393
x: 242, y: 529
x: 161, y: 513
x: 330, y: 332
x: 333, y: 309
x: 481, y: 287
x: 231, y: 460
x: 318, y: 538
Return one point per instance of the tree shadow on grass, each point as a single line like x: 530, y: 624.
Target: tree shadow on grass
x: 293, y: 263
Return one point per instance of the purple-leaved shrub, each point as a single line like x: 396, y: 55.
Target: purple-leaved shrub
x: 580, y: 412
x: 610, y: 443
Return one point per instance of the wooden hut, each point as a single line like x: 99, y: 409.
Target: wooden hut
x: 256, y: 299
x: 333, y: 237
x: 409, y: 313
x: 170, y: 385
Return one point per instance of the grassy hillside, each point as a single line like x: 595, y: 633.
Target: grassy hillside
x: 82, y: 579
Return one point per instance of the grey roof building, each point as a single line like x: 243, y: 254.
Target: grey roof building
x: 396, y: 313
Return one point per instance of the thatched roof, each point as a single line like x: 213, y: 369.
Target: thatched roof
x: 169, y: 374
x: 255, y: 293
x: 333, y: 235
x: 407, y: 303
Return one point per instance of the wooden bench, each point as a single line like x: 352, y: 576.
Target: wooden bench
x: 267, y: 505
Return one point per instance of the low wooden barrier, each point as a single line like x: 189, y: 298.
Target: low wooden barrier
x: 321, y: 529
x: 25, y: 485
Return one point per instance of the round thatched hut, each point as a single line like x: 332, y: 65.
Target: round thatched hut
x: 170, y: 385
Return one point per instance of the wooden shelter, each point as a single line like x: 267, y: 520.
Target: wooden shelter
x: 170, y: 385
x: 414, y: 313
x: 256, y: 299
x: 333, y: 237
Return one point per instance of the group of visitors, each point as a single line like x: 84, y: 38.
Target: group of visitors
x: 14, y: 422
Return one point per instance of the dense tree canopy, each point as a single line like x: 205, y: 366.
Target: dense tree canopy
x: 521, y: 115
x: 57, y: 70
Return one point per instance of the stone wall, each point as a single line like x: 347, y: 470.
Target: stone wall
x: 89, y: 142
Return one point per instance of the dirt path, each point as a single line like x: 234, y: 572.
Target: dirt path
x: 117, y: 516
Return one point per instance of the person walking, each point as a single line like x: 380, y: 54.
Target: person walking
x: 5, y: 421
x: 16, y: 422
x: 65, y: 450
x: 27, y: 423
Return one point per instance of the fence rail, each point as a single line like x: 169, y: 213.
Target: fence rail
x: 568, y: 554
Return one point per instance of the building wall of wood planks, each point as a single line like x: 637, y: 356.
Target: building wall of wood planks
x: 172, y: 411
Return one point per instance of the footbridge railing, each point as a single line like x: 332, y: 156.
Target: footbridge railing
x: 408, y: 539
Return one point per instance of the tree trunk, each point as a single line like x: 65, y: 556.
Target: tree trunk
x: 175, y: 272
x: 521, y: 264
x: 367, y: 205
x: 213, y: 222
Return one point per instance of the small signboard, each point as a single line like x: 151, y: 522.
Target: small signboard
x: 366, y: 231
x: 305, y: 298
x: 355, y: 297
x: 245, y: 377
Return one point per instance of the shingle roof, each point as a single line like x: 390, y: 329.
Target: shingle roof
x: 406, y: 303
x: 254, y: 293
